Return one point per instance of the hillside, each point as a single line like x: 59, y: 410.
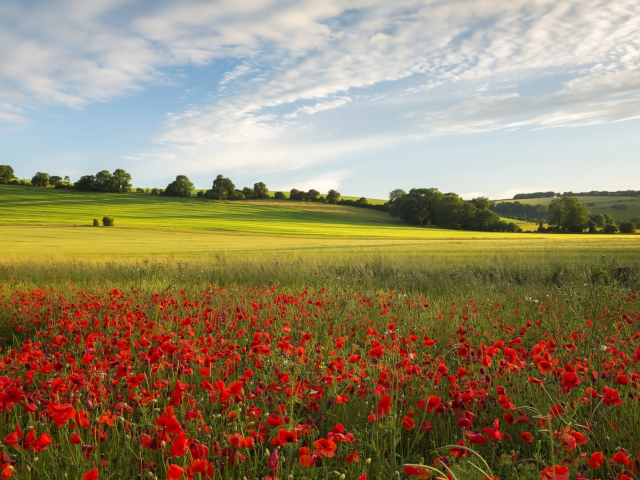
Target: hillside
x: 25, y: 205
x: 622, y: 208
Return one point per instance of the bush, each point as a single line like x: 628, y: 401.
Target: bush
x: 200, y: 193
x: 279, y: 195
x: 610, y: 228
x: 139, y: 190
x: 627, y: 227
x: 96, y: 223
x: 107, y: 221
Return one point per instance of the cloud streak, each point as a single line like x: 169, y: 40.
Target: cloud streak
x: 456, y: 67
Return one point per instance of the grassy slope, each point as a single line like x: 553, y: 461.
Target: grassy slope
x: 54, y: 224
x: 600, y: 205
x: 24, y: 205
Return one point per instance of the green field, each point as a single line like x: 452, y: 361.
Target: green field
x: 622, y: 208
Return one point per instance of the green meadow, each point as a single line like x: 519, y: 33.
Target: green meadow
x: 46, y: 237
x: 622, y: 208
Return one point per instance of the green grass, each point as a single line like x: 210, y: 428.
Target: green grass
x: 600, y: 205
x: 23, y: 205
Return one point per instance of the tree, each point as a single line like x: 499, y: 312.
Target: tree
x: 598, y: 219
x: 481, y: 203
x: 120, y: 181
x: 608, y: 219
x: 103, y: 181
x: 180, y: 187
x: 55, y: 180
x: 417, y: 207
x: 312, y: 195
x: 107, y: 221
x: 333, y: 196
x: 6, y: 174
x: 569, y: 214
x: 40, y: 179
x: 636, y: 220
x: 222, y: 189
x: 296, y: 194
x: 248, y: 192
x: 627, y: 227
x: 279, y: 195
x: 86, y: 183
x: 451, y: 211
x: 610, y: 228
x: 396, y: 194
x: 260, y: 191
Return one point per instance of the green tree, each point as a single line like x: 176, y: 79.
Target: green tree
x: 222, y: 189
x: 396, y: 194
x: 260, y: 191
x: 103, y: 181
x: 481, y: 203
x: 296, y: 194
x: 6, y: 174
x: 107, y: 221
x: 452, y: 210
x: 55, y: 180
x: 40, y: 179
x: 333, y: 196
x: 248, y: 192
x: 279, y: 195
x: 86, y: 183
x: 627, y: 227
x: 417, y: 207
x: 608, y: 219
x: 636, y: 220
x: 120, y: 181
x: 569, y: 214
x: 610, y: 228
x: 598, y: 219
x: 312, y: 195
x: 180, y: 187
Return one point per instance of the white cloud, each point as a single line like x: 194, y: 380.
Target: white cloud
x: 74, y: 53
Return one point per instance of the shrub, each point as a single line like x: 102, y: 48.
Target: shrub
x: 96, y: 223
x: 279, y: 195
x: 610, y: 228
x: 200, y: 193
x: 107, y: 221
x: 627, y: 227
x: 139, y: 190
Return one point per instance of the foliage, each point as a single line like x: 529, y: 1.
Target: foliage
x: 223, y: 189
x: 520, y: 210
x: 96, y: 223
x: 569, y: 214
x: 627, y: 227
x: 40, y: 179
x: 279, y: 195
x: 6, y: 174
x: 107, y: 221
x: 104, y: 181
x: 180, y: 187
x: 333, y: 196
x: 520, y: 196
x: 610, y: 228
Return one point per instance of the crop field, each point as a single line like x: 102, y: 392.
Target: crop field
x: 622, y: 208
x: 292, y: 340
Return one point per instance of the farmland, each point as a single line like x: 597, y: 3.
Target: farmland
x: 622, y: 208
x: 278, y: 339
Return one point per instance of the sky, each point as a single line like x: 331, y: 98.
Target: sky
x: 477, y: 97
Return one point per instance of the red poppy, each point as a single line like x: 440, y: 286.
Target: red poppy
x: 324, y: 447
x: 91, y: 475
x: 174, y: 472
x: 555, y: 472
x: 596, y: 460
x: 419, y: 472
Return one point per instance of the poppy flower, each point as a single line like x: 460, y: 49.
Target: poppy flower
x: 596, y: 460
x: 274, y: 461
x: 433, y: 403
x: 174, y: 472
x: 555, y: 472
x: 408, y: 423
x: 526, y: 437
x: 384, y: 406
x: 325, y: 448
x: 419, y: 472
x: 91, y: 475
x: 620, y: 458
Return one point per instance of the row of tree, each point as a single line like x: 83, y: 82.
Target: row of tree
x: 592, y: 193
x: 521, y: 211
x: 429, y: 206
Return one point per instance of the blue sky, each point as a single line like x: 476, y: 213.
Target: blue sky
x: 479, y: 97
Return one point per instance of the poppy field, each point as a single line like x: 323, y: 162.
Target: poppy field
x: 258, y: 383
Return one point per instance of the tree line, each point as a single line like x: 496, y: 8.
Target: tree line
x: 430, y: 207
x: 592, y: 193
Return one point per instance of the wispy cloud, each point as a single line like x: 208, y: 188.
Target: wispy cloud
x: 438, y: 65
